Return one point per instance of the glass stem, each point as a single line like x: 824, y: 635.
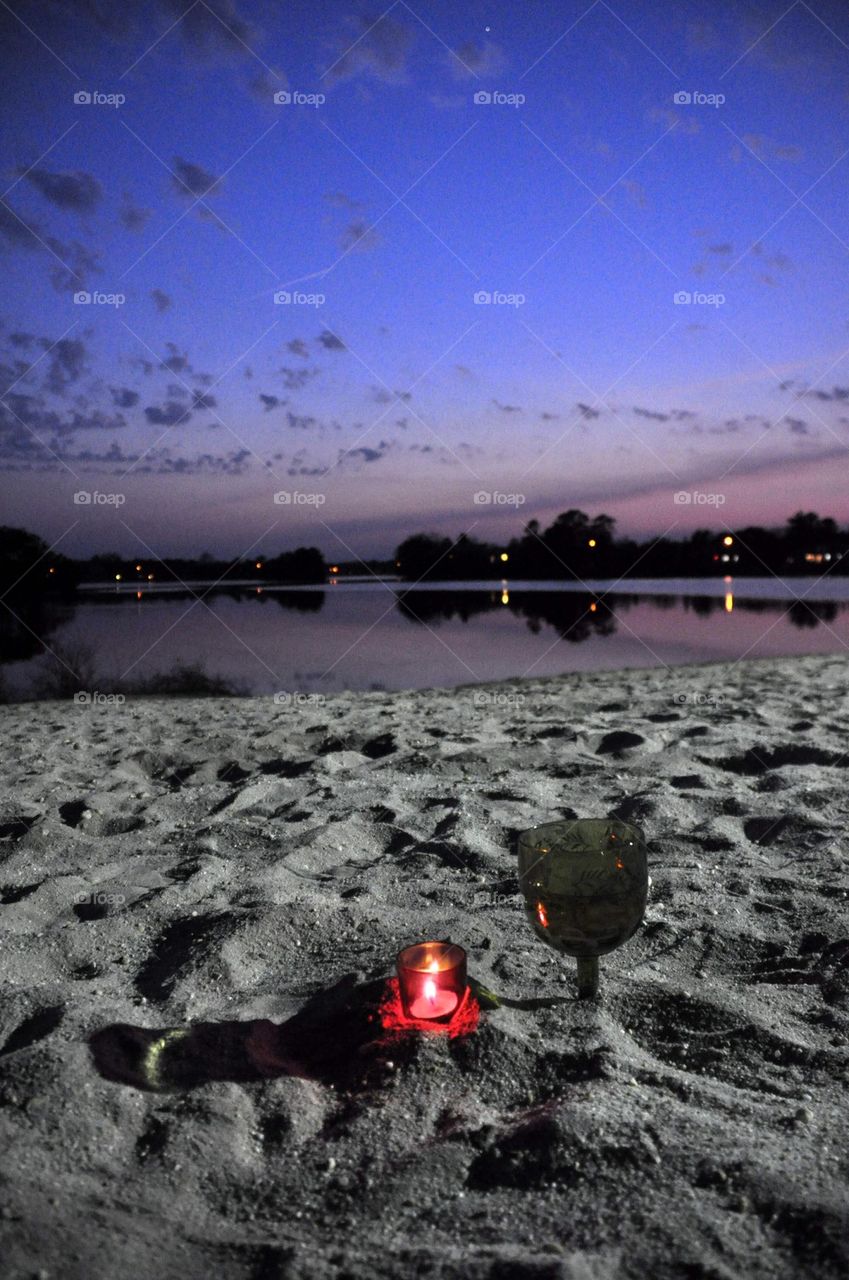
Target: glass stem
x: 587, y: 977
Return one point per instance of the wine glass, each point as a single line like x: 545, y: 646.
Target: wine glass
x: 585, y: 882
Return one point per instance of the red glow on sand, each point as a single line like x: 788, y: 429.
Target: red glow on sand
x: 393, y: 1018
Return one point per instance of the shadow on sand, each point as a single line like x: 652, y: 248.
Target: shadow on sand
x: 348, y: 1036
x: 337, y: 1038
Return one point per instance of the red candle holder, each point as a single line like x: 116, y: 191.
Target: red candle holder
x: 431, y: 980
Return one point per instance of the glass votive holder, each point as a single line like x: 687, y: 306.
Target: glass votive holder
x: 432, y: 980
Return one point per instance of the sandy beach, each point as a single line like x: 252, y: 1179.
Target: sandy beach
x: 240, y: 873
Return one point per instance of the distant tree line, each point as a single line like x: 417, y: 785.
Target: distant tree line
x: 577, y: 546
x: 303, y: 565
x: 28, y: 567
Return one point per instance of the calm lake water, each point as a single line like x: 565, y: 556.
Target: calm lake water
x: 382, y: 635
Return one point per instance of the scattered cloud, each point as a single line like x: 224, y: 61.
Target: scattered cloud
x: 80, y: 192
x: 359, y: 235
x: 686, y: 127
x: 764, y: 148
x: 265, y: 83
x: 701, y: 35
x: 382, y: 395
x: 133, y: 216
x: 294, y: 379
x: 176, y: 361
x: 300, y: 421
x: 67, y: 362
x: 212, y: 26
x: 587, y: 411
x: 34, y: 435
x: 836, y: 393
x: 339, y: 200
x: 799, y: 390
x: 191, y: 181
x: 778, y: 260
x: 70, y: 264
x: 366, y: 47
x: 161, y: 300
x: 366, y: 454
x: 635, y: 192
x: 124, y: 397
x: 471, y: 61
x: 330, y: 341
x: 171, y: 414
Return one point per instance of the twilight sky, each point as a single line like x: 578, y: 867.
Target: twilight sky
x: 379, y: 197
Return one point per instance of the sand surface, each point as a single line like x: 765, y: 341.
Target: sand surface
x: 241, y: 873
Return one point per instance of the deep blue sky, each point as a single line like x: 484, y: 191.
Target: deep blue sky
x: 397, y: 198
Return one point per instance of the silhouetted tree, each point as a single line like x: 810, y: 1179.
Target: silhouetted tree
x: 29, y: 568
x: 305, y: 564
x: 421, y: 555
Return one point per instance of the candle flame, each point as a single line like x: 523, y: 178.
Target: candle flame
x: 430, y: 989
x: 434, y: 966
x: 541, y: 915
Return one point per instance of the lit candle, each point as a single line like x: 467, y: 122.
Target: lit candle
x: 431, y: 979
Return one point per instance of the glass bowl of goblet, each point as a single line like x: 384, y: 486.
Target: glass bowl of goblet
x: 585, y: 883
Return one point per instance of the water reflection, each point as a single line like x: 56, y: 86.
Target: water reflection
x: 24, y: 631
x: 388, y: 635
x: 303, y: 601
x: 577, y: 616
x: 300, y: 601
